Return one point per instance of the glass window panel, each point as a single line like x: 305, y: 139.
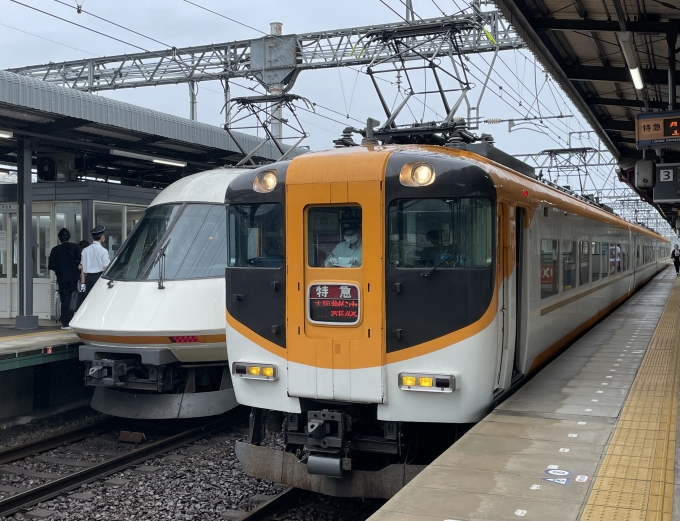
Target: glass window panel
x: 69, y: 216
x: 624, y: 257
x: 256, y: 236
x: 41, y: 247
x: 568, y: 265
x: 5, y: 265
x: 448, y: 233
x: 334, y: 239
x: 196, y: 246
x: 617, y: 258
x: 550, y: 264
x: 584, y: 263
x: 141, y: 247
x: 111, y: 216
x: 605, y: 259
x: 595, y: 262
x: 133, y: 214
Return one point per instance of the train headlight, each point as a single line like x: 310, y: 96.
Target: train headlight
x: 438, y: 383
x: 265, y: 181
x: 255, y: 371
x: 408, y: 381
x: 422, y: 175
x: 417, y: 174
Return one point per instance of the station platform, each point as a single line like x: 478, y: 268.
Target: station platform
x: 591, y: 437
x: 45, y: 345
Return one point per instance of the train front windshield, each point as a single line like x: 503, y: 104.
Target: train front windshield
x: 191, y: 237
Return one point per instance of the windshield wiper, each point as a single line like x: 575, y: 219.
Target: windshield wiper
x: 160, y: 258
x: 437, y: 264
x: 114, y: 279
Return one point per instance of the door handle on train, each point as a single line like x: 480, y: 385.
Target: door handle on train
x: 275, y: 285
x: 397, y: 287
x: 237, y: 296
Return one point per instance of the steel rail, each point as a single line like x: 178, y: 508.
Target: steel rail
x: 17, y: 452
x: 58, y: 486
x: 279, y: 503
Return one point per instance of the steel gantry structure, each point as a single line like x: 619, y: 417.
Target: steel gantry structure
x: 275, y: 59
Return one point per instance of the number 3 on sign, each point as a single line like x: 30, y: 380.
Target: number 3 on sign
x: 665, y: 174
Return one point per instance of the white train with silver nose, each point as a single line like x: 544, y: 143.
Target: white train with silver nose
x: 153, y: 326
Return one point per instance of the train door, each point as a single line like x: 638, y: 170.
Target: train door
x: 510, y: 226
x: 519, y: 300
x: 335, y: 299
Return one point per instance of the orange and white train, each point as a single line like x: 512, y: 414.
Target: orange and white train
x: 466, y: 278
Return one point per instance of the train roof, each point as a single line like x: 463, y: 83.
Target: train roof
x: 204, y: 187
x: 506, y: 179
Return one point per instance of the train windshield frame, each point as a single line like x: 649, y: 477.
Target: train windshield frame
x: 446, y: 233
x: 256, y: 238
x: 190, y: 236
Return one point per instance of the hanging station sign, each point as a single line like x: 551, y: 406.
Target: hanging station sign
x: 657, y: 129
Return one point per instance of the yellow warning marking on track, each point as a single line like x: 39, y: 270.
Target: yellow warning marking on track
x: 636, y: 478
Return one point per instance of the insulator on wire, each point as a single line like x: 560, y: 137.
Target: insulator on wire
x: 493, y: 121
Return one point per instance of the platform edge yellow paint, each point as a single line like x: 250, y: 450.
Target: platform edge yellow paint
x: 629, y: 485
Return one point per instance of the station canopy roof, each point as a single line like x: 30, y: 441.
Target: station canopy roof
x: 577, y: 42
x: 114, y: 140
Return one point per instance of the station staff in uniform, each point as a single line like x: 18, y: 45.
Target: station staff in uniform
x: 95, y: 259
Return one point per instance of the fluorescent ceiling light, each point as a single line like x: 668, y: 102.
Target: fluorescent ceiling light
x: 628, y: 48
x: 170, y: 162
x: 637, y: 78
x: 6, y: 135
x: 125, y: 153
x: 143, y: 157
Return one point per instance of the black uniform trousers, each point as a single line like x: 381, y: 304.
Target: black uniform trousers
x: 90, y: 280
x: 65, y: 291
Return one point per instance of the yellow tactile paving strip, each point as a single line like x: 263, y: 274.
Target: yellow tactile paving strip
x: 636, y: 478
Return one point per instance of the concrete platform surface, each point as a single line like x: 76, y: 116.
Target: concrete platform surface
x: 584, y: 439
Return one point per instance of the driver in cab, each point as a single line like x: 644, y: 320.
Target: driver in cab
x: 347, y: 254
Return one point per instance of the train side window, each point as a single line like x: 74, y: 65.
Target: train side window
x: 637, y: 258
x: 550, y: 266
x: 624, y: 257
x: 595, y: 263
x: 568, y: 265
x: 605, y: 259
x: 584, y: 263
x: 618, y: 251
x: 334, y: 237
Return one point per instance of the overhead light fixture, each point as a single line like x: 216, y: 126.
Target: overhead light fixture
x: 6, y: 135
x: 629, y: 54
x: 170, y: 162
x: 143, y: 157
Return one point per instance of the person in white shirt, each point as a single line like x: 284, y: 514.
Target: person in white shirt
x: 347, y: 254
x: 94, y: 260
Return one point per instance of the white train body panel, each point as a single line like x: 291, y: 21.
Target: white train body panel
x: 158, y: 329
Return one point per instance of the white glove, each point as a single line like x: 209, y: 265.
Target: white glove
x: 83, y: 288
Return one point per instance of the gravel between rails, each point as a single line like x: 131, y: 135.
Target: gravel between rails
x: 47, y: 426
x: 199, y: 482
x: 203, y: 481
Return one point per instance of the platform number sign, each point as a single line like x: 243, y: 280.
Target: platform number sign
x: 665, y: 174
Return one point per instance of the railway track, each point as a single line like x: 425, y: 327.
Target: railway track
x: 88, y: 472
x: 275, y: 506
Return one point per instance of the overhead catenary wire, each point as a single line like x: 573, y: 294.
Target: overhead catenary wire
x: 47, y: 39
